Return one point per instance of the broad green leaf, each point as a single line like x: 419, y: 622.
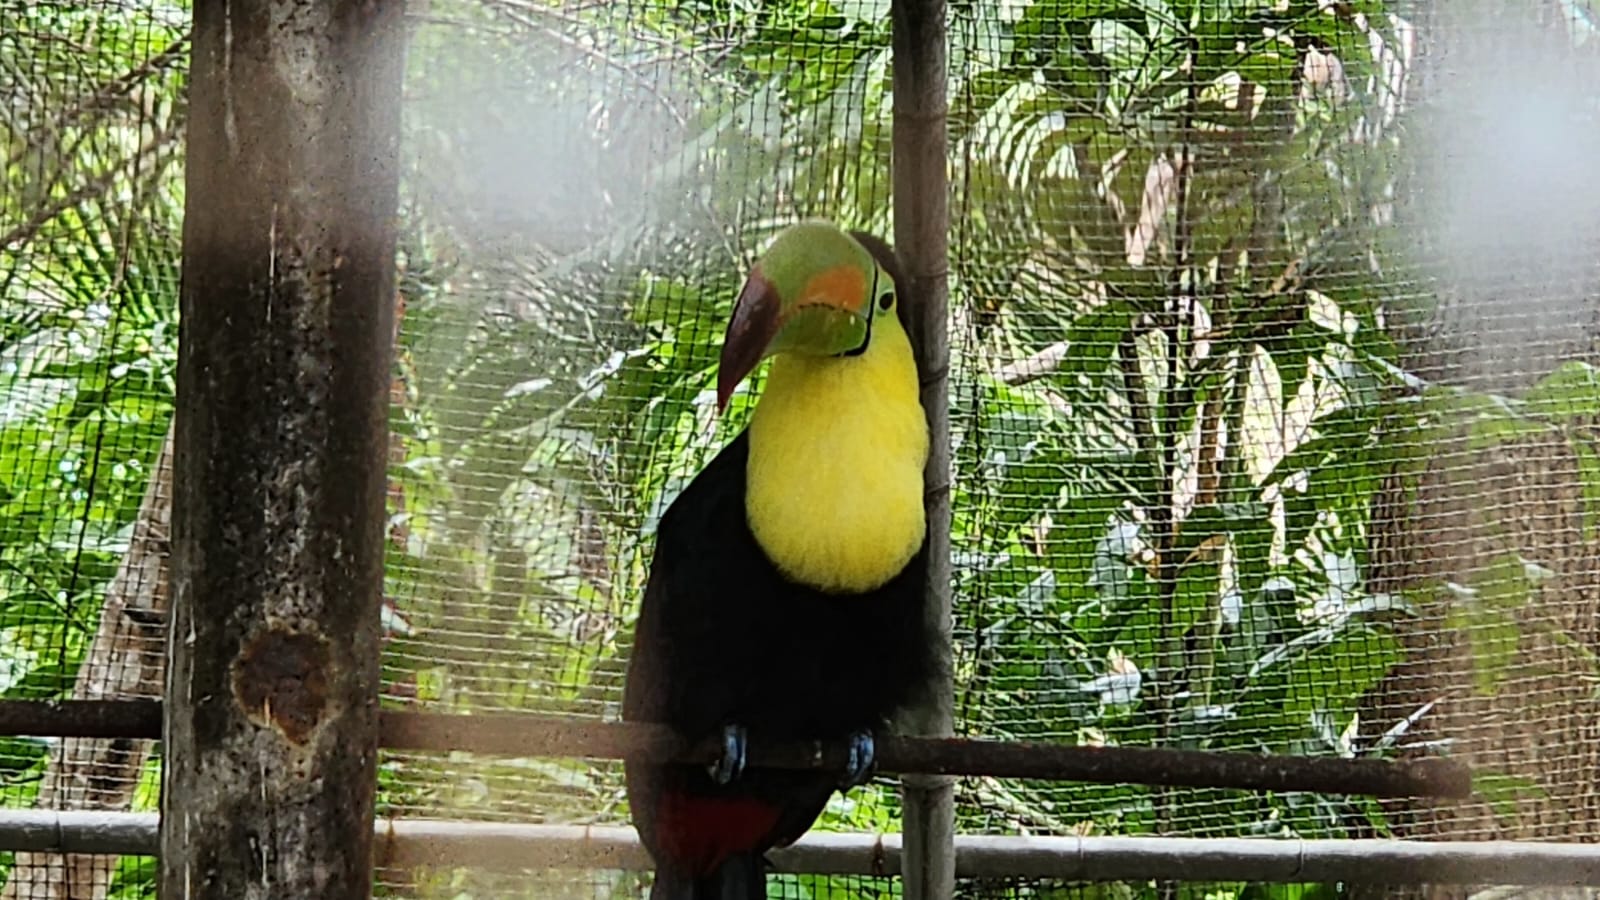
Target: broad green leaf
x: 1503, y: 792
x: 1219, y: 520
x: 1048, y: 18
x: 1503, y: 584
x: 1571, y: 391
x: 1118, y: 42
x: 1492, y: 430
x: 1589, y: 477
x: 1199, y: 594
x: 1094, y: 336
x: 1494, y: 637
x: 1491, y: 631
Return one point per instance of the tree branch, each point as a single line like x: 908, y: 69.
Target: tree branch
x: 515, y: 735
x: 100, y: 184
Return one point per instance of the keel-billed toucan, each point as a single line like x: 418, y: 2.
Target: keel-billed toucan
x: 785, y: 597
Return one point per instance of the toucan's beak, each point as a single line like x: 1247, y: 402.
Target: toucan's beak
x: 757, y: 316
x: 829, y: 317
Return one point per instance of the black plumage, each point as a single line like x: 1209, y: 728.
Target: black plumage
x: 724, y: 638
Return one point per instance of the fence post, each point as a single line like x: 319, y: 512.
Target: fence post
x: 270, y: 726
x: 921, y: 235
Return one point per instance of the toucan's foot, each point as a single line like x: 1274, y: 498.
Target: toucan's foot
x: 858, y: 765
x: 727, y: 769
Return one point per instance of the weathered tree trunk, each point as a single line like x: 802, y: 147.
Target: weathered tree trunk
x: 1512, y: 306
x: 1537, y: 724
x: 125, y: 661
x: 270, y: 736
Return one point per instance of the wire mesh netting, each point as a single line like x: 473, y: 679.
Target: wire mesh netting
x: 89, y: 244
x: 1272, y: 388
x: 516, y: 885
x: 123, y: 877
x: 569, y: 884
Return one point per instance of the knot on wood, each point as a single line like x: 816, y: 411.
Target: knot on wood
x: 281, y: 679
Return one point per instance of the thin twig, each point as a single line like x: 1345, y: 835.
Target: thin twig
x: 129, y: 81
x: 118, y: 87
x: 29, y: 229
x: 1164, y: 515
x: 1035, y: 366
x: 604, y: 59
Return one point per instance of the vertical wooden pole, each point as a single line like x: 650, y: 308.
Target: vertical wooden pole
x: 270, y: 732
x: 921, y: 230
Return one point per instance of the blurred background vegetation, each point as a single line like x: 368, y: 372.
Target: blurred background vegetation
x: 1246, y: 458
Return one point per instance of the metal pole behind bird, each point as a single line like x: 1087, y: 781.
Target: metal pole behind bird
x: 921, y: 230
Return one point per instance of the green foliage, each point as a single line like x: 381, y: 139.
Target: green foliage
x: 89, y: 247
x: 88, y: 300
x: 1488, y: 606
x: 1130, y: 592
x: 1160, y: 530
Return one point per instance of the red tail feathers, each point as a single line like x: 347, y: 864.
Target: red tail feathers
x: 700, y: 833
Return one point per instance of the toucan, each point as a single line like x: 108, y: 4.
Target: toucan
x: 786, y: 592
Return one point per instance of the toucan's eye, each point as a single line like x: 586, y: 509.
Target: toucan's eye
x: 886, y: 300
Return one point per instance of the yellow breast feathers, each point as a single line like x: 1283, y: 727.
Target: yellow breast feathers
x: 837, y: 449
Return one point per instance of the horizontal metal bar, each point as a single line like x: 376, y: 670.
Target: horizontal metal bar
x: 79, y: 831
x: 139, y: 719
x: 534, y: 735
x: 410, y: 843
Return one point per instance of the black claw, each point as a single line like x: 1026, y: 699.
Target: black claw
x: 727, y: 769
x: 858, y: 767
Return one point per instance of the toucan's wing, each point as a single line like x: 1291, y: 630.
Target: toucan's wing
x: 686, y: 659
x: 693, y: 650
x: 698, y: 649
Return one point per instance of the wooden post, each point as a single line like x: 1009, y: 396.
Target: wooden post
x: 921, y: 229
x: 271, y: 722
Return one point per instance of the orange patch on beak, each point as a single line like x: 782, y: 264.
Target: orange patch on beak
x: 841, y: 286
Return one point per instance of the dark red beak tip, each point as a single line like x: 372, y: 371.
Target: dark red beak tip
x: 754, y: 324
